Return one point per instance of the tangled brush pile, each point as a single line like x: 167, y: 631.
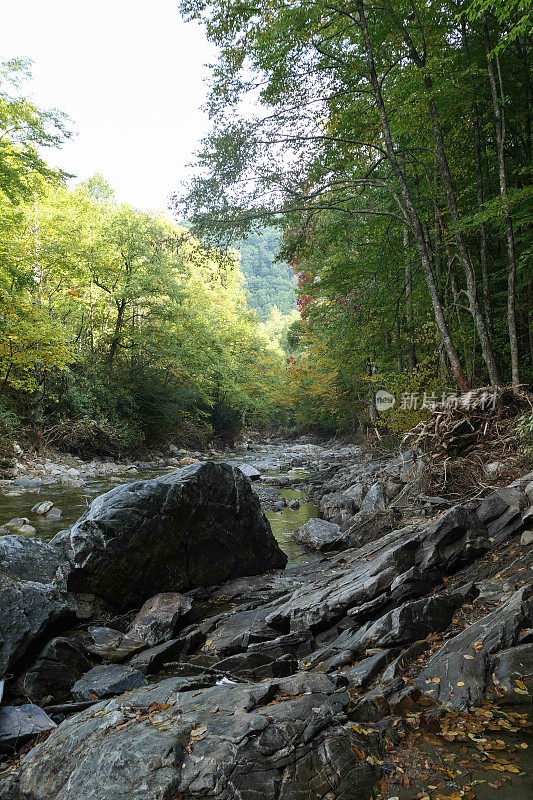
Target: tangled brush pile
x: 472, y: 442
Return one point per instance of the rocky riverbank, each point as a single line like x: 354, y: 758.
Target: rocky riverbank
x: 400, y: 661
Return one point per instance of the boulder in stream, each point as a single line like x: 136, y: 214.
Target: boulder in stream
x: 321, y: 535
x: 199, y: 526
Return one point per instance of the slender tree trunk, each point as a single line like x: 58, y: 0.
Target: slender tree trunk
x: 91, y: 327
x: 409, y: 210
x: 530, y: 320
x: 6, y: 378
x: 373, y: 412
x: 449, y: 191
x: 398, y: 339
x: 487, y: 304
x: 121, y: 307
x: 499, y: 125
x: 408, y: 301
x: 38, y: 402
x: 462, y: 251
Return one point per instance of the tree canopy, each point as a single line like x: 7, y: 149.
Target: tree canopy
x: 394, y: 141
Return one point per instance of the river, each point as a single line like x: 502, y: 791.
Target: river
x: 73, y: 501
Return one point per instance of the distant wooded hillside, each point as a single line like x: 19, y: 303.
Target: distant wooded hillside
x: 269, y: 283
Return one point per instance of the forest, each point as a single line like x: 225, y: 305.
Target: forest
x: 392, y: 143
x: 269, y: 281
x: 385, y: 179
x: 118, y: 329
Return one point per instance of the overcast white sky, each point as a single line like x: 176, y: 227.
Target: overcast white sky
x: 130, y: 74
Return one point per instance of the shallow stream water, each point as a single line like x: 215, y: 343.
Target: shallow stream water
x: 73, y: 501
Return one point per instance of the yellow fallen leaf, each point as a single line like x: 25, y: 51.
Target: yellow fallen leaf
x: 461, y: 683
x: 521, y: 685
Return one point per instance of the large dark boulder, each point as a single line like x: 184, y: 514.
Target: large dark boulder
x: 199, y: 526
x: 59, y: 665
x: 32, y: 594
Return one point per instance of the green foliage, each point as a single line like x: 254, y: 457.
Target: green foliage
x: 376, y: 143
x: 525, y: 433
x: 269, y: 282
x: 515, y: 16
x: 118, y: 329
x: 24, y: 130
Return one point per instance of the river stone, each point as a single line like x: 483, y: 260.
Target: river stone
x: 20, y: 526
x: 199, y: 526
x: 151, y: 660
x: 28, y: 483
x: 501, y: 501
x: 248, y: 471
x: 59, y: 665
x: 321, y: 535
x: 366, y: 526
x: 20, y: 723
x: 526, y: 539
x: 336, y: 507
x: 110, y: 645
x: 158, y: 619
x: 366, y: 671
x: 42, y: 508
x: 410, y: 622
x: 375, y: 499
x: 32, y: 594
x: 515, y: 667
x: 106, y: 681
x: 280, y: 739
x: 356, y: 494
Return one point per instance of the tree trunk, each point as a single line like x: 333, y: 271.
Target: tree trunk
x: 408, y: 301
x: 398, y: 339
x: 121, y: 306
x: 37, y: 410
x: 91, y: 328
x: 530, y: 320
x: 487, y: 304
x: 499, y: 125
x: 462, y: 251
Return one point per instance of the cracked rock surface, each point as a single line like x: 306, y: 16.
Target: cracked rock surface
x: 277, y: 740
